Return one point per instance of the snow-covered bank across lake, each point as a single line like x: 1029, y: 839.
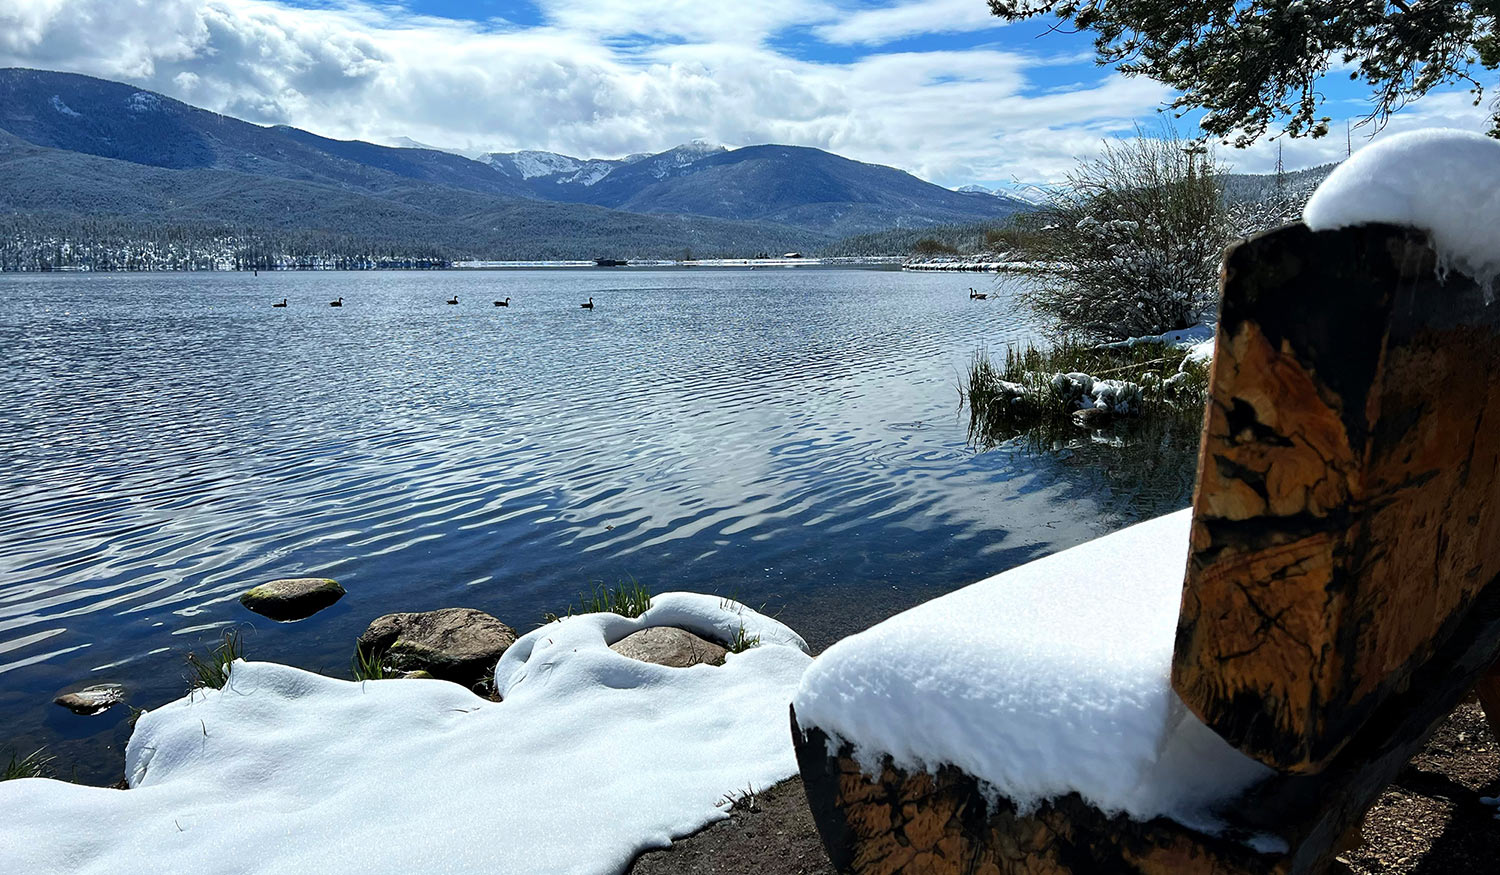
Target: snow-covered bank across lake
x: 591, y: 758
x: 1050, y: 678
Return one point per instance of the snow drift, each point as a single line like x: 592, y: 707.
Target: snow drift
x: 591, y: 758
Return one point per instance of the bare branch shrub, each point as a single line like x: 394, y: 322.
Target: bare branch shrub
x: 1133, y: 240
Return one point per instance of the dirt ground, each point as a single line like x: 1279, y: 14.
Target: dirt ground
x: 1430, y: 822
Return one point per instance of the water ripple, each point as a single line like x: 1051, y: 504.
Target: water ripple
x: 170, y: 440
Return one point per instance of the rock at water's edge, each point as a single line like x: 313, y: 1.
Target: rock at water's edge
x: 293, y: 598
x: 669, y: 646
x: 454, y: 644
x: 92, y: 700
x: 1093, y: 417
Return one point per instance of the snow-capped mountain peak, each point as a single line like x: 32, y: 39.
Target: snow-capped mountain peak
x: 531, y: 163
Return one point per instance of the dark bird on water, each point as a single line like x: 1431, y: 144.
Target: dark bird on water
x: 282, y: 304
x: 504, y: 303
x: 976, y: 295
x: 453, y: 300
x: 338, y: 303
x: 589, y: 305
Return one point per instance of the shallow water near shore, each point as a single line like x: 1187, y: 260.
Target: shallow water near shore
x: 787, y: 437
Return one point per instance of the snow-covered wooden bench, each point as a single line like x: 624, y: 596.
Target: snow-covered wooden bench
x: 1342, y: 595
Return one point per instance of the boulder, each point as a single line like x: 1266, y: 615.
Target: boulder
x: 669, y: 646
x: 1093, y: 417
x: 292, y: 599
x: 454, y: 644
x: 92, y: 700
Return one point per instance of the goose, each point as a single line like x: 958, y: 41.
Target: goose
x: 338, y: 303
x: 453, y: 300
x: 504, y: 303
x: 282, y: 304
x: 976, y: 295
x: 589, y: 305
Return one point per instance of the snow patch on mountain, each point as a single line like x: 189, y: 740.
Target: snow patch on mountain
x: 57, y: 104
x: 531, y: 163
x: 589, y: 174
x: 143, y: 102
x: 673, y: 160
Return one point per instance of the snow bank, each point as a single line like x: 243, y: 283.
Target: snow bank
x: 1197, y: 339
x: 1050, y: 678
x: 1078, y: 391
x: 1445, y: 182
x: 592, y: 758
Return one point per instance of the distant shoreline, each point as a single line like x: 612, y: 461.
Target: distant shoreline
x: 886, y: 262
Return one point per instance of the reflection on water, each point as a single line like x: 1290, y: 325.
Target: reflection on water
x: 789, y: 436
x: 1137, y: 468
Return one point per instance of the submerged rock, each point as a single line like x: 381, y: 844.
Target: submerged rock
x: 92, y: 700
x: 669, y: 646
x: 453, y: 644
x: 1093, y: 417
x: 293, y: 598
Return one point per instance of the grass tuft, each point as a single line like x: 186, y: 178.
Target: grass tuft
x: 742, y: 642
x: 213, y: 672
x: 742, y: 800
x: 368, y: 666
x: 627, y: 598
x: 34, y: 765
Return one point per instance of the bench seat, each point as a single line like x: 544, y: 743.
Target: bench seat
x: 1048, y: 679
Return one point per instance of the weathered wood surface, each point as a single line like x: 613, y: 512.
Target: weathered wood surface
x: 916, y: 823
x: 1347, y: 514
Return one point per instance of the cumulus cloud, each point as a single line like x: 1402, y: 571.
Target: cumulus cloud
x: 887, y: 24
x: 1448, y: 109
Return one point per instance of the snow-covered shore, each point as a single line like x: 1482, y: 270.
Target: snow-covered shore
x: 590, y: 759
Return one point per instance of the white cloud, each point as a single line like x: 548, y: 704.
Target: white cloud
x: 1448, y: 109
x: 887, y: 24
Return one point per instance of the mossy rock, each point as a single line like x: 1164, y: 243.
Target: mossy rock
x: 453, y: 644
x: 292, y: 598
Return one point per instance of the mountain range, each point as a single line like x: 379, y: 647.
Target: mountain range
x: 74, y: 145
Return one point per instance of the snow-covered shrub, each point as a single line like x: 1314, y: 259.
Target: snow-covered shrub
x: 1040, y: 389
x: 1135, y: 241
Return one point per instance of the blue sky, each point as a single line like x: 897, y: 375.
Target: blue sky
x: 936, y: 87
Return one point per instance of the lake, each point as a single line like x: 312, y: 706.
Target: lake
x: 789, y: 437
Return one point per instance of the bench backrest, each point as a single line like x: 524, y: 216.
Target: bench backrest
x: 1346, y: 531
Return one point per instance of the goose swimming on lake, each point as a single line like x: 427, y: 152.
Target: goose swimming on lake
x: 453, y: 300
x: 504, y: 303
x: 976, y: 295
x: 589, y: 305
x: 338, y: 303
x: 282, y: 304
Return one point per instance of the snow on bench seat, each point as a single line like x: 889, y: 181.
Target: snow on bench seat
x: 1050, y: 678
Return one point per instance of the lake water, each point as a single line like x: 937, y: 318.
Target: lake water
x: 791, y: 437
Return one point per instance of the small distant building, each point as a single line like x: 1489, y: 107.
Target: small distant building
x: 791, y: 255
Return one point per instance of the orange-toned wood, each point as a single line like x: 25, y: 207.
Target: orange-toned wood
x: 916, y: 823
x: 1347, y: 512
